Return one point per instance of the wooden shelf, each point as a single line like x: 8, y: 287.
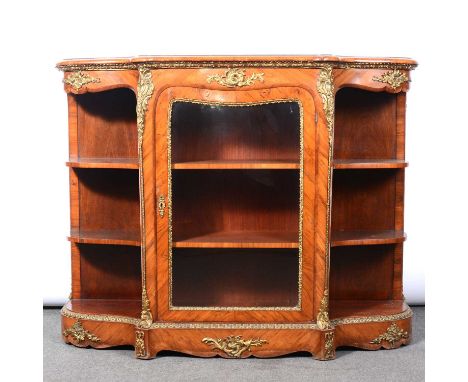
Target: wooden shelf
x: 115, y: 237
x: 368, y: 237
x: 122, y: 163
x: 237, y: 165
x: 360, y: 164
x: 118, y: 307
x: 241, y: 239
x: 363, y: 308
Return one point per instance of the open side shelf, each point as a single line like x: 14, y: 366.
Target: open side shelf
x: 362, y: 164
x: 116, y: 237
x: 116, y: 163
x: 366, y: 237
x: 365, y: 308
x: 106, y: 271
x: 118, y: 307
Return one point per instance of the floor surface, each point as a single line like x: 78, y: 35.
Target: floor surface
x: 67, y: 363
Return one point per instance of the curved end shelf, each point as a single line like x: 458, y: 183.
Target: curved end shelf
x: 114, y: 163
x: 374, y: 237
x: 113, y: 237
x: 362, y: 164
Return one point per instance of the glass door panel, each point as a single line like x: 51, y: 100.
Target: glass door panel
x: 235, y: 230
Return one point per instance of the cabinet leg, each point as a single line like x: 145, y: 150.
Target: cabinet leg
x: 141, y: 344
x: 327, y: 350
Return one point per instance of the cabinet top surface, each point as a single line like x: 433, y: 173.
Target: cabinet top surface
x: 223, y: 61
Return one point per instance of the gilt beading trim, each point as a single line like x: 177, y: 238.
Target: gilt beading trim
x: 306, y: 64
x: 297, y: 307
x: 65, y: 312
x: 376, y: 318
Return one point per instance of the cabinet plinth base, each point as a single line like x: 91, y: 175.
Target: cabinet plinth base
x: 236, y: 340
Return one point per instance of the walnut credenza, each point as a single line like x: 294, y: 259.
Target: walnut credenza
x: 237, y: 206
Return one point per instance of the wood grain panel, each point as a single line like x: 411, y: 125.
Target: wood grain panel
x: 110, y: 272
x: 363, y: 200
x: 362, y: 272
x: 108, y: 200
x: 365, y: 125
x: 107, y: 124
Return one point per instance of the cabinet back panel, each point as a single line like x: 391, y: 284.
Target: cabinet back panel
x: 363, y: 200
x: 365, y: 125
x: 362, y: 272
x: 110, y: 271
x: 109, y: 200
x: 214, y: 132
x: 228, y: 277
x: 206, y: 201
x: 107, y: 124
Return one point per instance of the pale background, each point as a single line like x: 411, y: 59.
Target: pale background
x: 34, y: 253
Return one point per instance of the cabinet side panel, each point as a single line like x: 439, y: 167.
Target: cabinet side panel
x: 399, y: 193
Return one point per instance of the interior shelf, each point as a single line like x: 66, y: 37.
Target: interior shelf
x: 123, y: 163
x: 116, y: 237
x: 237, y: 165
x: 118, y: 307
x: 241, y: 239
x: 366, y: 237
x: 363, y: 308
x: 230, y: 277
x: 235, y: 209
x: 341, y: 164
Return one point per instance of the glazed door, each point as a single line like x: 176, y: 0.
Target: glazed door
x: 235, y: 189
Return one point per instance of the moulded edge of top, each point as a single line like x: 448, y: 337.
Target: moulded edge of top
x: 128, y: 61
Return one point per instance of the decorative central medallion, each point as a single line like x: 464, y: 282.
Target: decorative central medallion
x: 392, y: 335
x: 80, y: 334
x: 394, y: 78
x: 235, y: 77
x: 79, y: 79
x: 233, y: 346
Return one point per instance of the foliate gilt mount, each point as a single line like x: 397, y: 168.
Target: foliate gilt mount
x: 235, y: 77
x: 394, y: 78
x: 79, y: 79
x: 79, y: 334
x: 392, y: 335
x: 233, y: 346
